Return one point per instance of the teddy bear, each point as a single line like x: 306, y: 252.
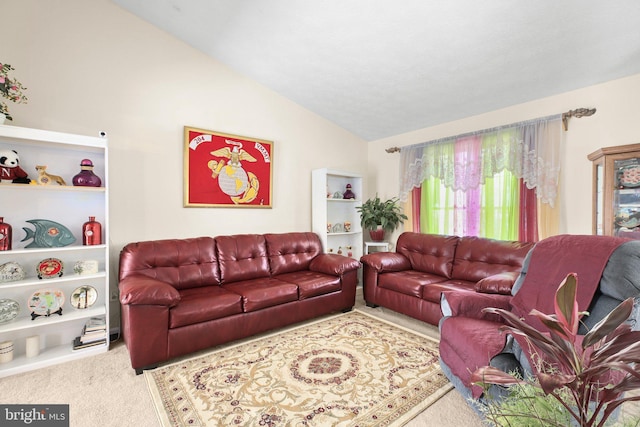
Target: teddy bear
x: 10, y: 169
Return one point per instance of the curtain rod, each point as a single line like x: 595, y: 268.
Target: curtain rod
x: 577, y: 113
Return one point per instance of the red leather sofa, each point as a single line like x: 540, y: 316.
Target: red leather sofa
x: 412, y: 279
x: 183, y: 295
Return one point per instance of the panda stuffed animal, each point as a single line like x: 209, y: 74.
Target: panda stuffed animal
x: 10, y: 169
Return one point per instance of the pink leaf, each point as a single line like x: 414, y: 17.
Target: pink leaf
x: 565, y: 304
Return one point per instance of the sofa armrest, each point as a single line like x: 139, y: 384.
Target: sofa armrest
x: 333, y: 264
x: 143, y: 290
x: 385, y: 262
x: 470, y: 304
x: 498, y: 283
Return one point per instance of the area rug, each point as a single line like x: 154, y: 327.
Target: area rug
x: 347, y: 370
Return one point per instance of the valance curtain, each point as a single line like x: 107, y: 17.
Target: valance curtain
x: 530, y: 150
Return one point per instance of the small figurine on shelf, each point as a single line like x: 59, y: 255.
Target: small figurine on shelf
x: 89, y: 266
x: 86, y: 177
x: 10, y: 169
x: 47, y: 234
x: 45, y: 178
x: 6, y: 235
x: 348, y: 194
x: 339, y: 250
x: 349, y: 252
x: 347, y: 226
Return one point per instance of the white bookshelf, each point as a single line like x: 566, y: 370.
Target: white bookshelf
x: 336, y: 211
x: 70, y: 206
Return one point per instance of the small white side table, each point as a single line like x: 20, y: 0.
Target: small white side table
x: 384, y: 246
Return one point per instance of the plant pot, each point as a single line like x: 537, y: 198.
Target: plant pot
x: 377, y: 235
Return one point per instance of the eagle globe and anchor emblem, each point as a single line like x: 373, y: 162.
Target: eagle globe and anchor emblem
x: 241, y: 186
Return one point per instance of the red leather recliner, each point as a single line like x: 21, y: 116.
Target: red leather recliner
x: 608, y: 270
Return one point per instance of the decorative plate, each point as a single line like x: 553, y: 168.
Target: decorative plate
x: 630, y: 223
x: 11, y: 271
x: 9, y: 310
x: 50, y: 267
x: 629, y: 176
x: 84, y: 297
x: 45, y: 302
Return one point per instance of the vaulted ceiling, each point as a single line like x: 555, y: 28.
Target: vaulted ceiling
x: 379, y: 68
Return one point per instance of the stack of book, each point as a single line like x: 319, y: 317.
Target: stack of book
x: 94, y: 333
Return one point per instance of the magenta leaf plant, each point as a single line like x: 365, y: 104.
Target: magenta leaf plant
x: 588, y: 374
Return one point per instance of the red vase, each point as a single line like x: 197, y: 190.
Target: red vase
x: 5, y: 235
x: 91, y: 232
x: 377, y: 235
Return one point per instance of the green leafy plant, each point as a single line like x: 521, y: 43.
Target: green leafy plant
x: 386, y: 214
x: 526, y: 405
x: 11, y: 89
x: 586, y: 374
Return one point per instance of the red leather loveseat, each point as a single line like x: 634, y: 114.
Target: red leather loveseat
x: 183, y: 295
x: 412, y: 279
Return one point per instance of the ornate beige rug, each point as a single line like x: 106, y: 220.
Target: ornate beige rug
x: 348, y: 370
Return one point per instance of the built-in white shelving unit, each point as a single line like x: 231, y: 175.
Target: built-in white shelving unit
x: 70, y: 206
x: 330, y: 213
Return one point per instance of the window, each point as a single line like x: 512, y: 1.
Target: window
x: 491, y: 210
x: 498, y: 183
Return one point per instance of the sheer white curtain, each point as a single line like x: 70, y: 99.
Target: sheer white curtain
x: 530, y: 150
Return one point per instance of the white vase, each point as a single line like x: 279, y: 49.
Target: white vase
x: 3, y: 117
x: 6, y: 351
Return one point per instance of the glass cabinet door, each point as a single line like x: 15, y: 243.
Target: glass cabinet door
x: 626, y: 198
x: 616, y: 191
x: 599, y: 200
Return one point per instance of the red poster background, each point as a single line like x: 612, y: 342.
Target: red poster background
x: 227, y: 170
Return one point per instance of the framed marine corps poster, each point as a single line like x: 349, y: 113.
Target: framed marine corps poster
x: 225, y: 170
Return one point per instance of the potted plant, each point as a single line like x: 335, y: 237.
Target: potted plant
x: 379, y: 216
x: 586, y: 375
x: 10, y: 89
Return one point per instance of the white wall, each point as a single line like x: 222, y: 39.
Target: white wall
x: 91, y: 66
x: 616, y: 122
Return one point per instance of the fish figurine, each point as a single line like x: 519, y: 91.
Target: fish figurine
x: 48, y: 234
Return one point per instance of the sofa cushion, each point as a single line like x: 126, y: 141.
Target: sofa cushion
x: 311, y: 284
x: 138, y: 289
x: 199, y: 305
x: 621, y: 277
x: 262, y: 293
x: 477, y: 257
x: 408, y: 282
x: 500, y: 283
x: 242, y: 257
x: 185, y: 263
x: 429, y: 253
x: 289, y: 252
x: 433, y: 292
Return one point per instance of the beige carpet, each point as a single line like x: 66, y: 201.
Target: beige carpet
x: 347, y: 370
x: 104, y: 390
